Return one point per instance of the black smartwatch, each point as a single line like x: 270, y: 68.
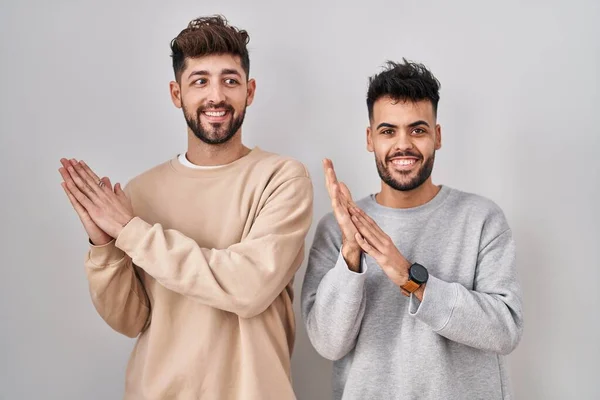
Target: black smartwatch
x: 417, y: 276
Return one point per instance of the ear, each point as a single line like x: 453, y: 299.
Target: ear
x: 438, y: 137
x: 175, y: 93
x: 250, y: 92
x: 370, y: 146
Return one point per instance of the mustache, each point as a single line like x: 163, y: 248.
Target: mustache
x: 404, y: 154
x: 211, y: 106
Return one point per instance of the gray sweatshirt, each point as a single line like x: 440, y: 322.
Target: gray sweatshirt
x: 450, y: 346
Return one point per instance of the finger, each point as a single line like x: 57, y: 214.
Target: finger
x: 89, y: 171
x: 79, y: 195
x: 345, y: 191
x: 101, y: 186
x: 107, y: 183
x: 367, y: 220
x: 79, y: 209
x: 366, y: 246
x: 335, y: 200
x: 346, y: 194
x: 342, y: 216
x: 89, y: 179
x: 106, y: 186
x: 105, y: 190
x: 64, y: 174
x: 367, y: 232
x: 122, y: 196
x: 330, y: 178
x: 65, y: 163
x: 64, y: 171
x: 338, y: 200
x: 119, y: 191
x: 81, y: 183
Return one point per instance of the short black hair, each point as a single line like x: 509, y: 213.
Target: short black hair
x: 407, y: 81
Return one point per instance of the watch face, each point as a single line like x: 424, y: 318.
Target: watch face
x: 418, y: 273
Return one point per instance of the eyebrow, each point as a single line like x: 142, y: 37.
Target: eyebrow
x: 386, y: 125
x: 417, y: 123
x: 226, y: 71
x: 411, y: 125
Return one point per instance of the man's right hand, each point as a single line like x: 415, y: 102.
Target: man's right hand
x: 97, y: 236
x: 341, y: 201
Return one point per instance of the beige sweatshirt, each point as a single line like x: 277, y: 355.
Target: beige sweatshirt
x: 203, y: 276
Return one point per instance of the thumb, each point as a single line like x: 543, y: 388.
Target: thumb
x: 346, y: 194
x: 123, y: 199
x: 119, y: 192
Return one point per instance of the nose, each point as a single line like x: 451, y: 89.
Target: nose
x: 215, y: 94
x: 403, y: 142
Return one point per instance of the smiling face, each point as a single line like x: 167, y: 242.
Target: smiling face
x: 213, y: 91
x: 404, y: 136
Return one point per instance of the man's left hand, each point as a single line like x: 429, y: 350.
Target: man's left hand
x: 110, y: 209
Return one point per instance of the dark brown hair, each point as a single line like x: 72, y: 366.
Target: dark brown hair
x: 206, y: 36
x: 403, y: 81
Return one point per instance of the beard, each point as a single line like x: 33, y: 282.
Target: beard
x: 217, y: 133
x: 407, y: 182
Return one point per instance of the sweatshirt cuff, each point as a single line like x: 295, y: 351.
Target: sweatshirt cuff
x: 346, y: 279
x: 439, y: 300
x: 131, y: 235
x: 106, y: 254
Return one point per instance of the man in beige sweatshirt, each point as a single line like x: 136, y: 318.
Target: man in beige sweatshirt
x: 196, y: 257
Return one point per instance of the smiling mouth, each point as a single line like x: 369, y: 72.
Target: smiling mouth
x: 215, y: 115
x: 404, y: 164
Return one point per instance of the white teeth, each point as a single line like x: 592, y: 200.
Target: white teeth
x: 215, y: 113
x: 404, y: 162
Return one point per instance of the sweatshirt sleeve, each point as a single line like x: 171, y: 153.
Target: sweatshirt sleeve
x: 333, y: 296
x: 489, y: 317
x: 244, y: 278
x: 116, y: 291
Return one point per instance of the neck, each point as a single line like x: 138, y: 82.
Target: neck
x: 204, y: 154
x: 390, y: 197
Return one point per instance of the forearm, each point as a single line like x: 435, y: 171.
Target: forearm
x: 333, y: 310
x: 116, y: 291
x: 486, y: 321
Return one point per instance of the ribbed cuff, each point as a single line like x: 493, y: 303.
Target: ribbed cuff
x: 347, y: 280
x: 105, y: 255
x: 439, y: 300
x: 132, y: 234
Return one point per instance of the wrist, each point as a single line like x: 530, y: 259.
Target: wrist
x: 415, y: 281
x: 404, y: 268
x: 352, y: 255
x: 119, y: 226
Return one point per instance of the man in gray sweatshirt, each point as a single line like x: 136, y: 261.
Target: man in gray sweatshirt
x: 413, y: 291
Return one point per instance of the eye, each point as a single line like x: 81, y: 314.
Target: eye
x: 231, y: 82
x: 387, y: 132
x: 419, y: 131
x: 201, y: 81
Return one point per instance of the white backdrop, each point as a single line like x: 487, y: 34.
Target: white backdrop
x: 519, y: 113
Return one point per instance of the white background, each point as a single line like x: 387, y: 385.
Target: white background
x: 519, y: 113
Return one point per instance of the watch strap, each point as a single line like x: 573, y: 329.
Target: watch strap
x: 409, y: 287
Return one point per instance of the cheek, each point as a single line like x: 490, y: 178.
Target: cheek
x: 193, y: 98
x: 237, y: 98
x: 426, y: 147
x: 381, y: 149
